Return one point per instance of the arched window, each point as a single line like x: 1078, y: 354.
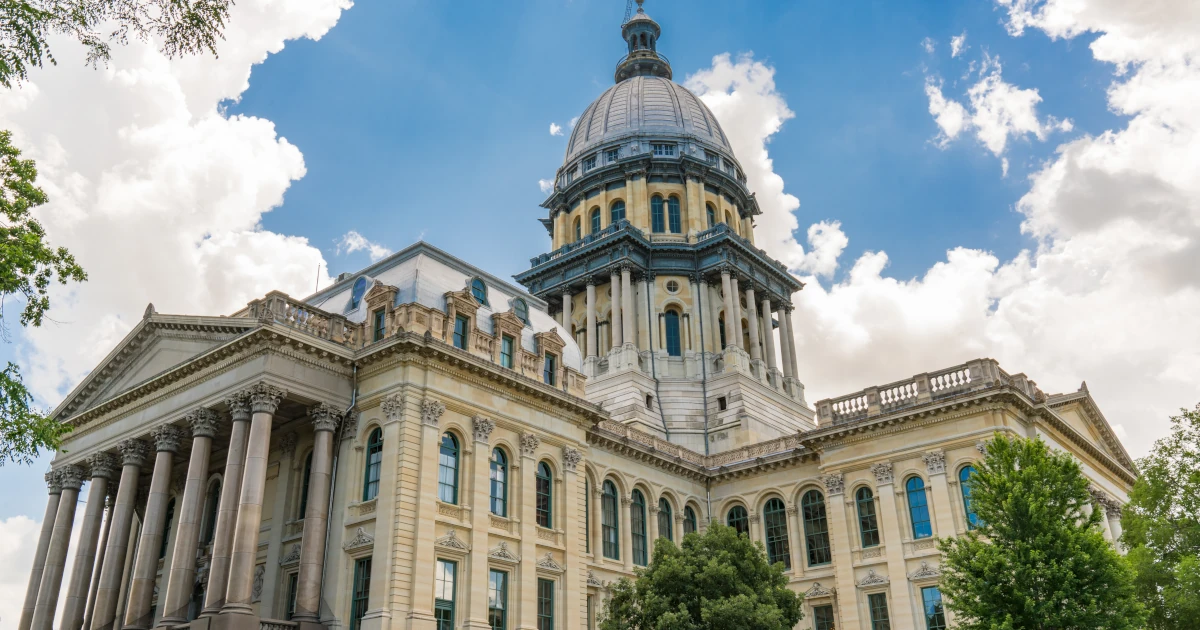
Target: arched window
x: 674, y: 223
x: 448, y: 469
x: 721, y: 329
x: 498, y: 473
x: 671, y: 323
x: 728, y: 219
x: 964, y: 483
x: 479, y: 291
x: 712, y: 214
x: 374, y: 463
x: 658, y: 222
x: 775, y: 524
x: 214, y: 504
x: 609, y: 528
x: 689, y: 521
x: 665, y: 520
x: 738, y: 519
x: 357, y: 292
x: 544, y: 483
x: 595, y: 219
x: 868, y: 526
x: 521, y: 310
x: 578, y: 229
x: 637, y: 528
x: 304, y: 486
x: 618, y: 211
x: 918, y: 507
x: 166, y: 534
x: 816, y: 528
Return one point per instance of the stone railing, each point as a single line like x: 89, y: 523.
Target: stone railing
x: 275, y: 624
x: 922, y: 388
x: 612, y: 229
x: 754, y: 451
x: 652, y: 442
x: 280, y: 308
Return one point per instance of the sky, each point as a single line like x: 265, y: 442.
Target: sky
x: 1011, y: 179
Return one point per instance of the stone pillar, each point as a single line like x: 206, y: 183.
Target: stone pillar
x: 71, y: 478
x: 752, y: 317
x: 269, y: 606
x: 784, y: 346
x: 570, y: 524
x: 625, y: 532
x: 842, y: 525
x: 39, y: 556
x: 796, y: 538
x: 889, y: 524
x: 942, y: 504
x: 628, y: 318
x: 791, y: 339
x: 727, y: 289
x: 112, y: 571
x: 768, y: 334
x: 615, y: 304
x: 421, y: 616
x: 526, y: 616
x: 566, y: 317
x: 264, y: 400
x: 595, y: 506
x: 227, y: 507
x: 102, y: 547
x: 714, y: 320
x: 103, y: 467
x: 141, y: 586
x: 652, y: 318
x: 379, y: 605
x: 316, y: 515
x: 182, y: 578
x: 591, y: 317
x: 694, y: 315
x: 737, y: 311
x: 1112, y: 512
x: 652, y: 532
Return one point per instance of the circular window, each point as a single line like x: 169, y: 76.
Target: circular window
x: 479, y: 290
x: 672, y: 286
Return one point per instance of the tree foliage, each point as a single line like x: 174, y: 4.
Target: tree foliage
x: 1161, y: 526
x: 715, y: 581
x: 1039, y: 559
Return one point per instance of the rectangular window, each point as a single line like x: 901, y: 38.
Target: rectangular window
x: 293, y: 580
x: 362, y: 590
x: 711, y: 158
x: 460, y: 331
x: 879, y: 612
x: 591, y: 613
x: 443, y: 594
x: 545, y: 604
x: 722, y: 403
x: 550, y: 371
x: 506, y: 352
x: 823, y: 618
x: 587, y: 516
x: 612, y: 155
x: 380, y: 325
x: 589, y: 163
x: 935, y: 615
x: 666, y: 150
x: 497, y: 599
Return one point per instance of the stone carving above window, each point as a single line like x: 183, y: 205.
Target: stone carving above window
x: 503, y: 553
x: 361, y: 539
x: 873, y: 579
x: 292, y: 557
x: 547, y: 562
x: 592, y: 580
x: 817, y: 591
x: 925, y: 572
x: 452, y: 541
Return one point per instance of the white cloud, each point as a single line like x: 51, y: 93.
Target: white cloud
x: 928, y: 45
x: 556, y: 129
x: 958, y: 44
x: 18, y: 540
x: 572, y: 122
x: 547, y: 185
x: 352, y: 242
x: 950, y: 115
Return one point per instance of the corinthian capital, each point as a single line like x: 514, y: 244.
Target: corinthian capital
x: 167, y: 438
x: 239, y: 407
x: 53, y: 484
x: 265, y: 398
x: 103, y: 465
x: 324, y: 418
x: 392, y: 407
x: 133, y: 452
x: 71, y: 477
x: 203, y: 421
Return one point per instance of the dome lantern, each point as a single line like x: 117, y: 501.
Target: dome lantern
x: 641, y: 44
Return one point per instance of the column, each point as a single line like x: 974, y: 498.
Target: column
x: 573, y: 587
x: 591, y: 317
x: 231, y: 485
x: 628, y: 318
x: 942, y: 504
x: 752, y: 317
x: 264, y: 400
x: 791, y: 338
x: 625, y: 532
x: 784, y: 346
x: 695, y: 316
x: 379, y: 598
x: 43, y: 544
x: 768, y: 333
x: 714, y: 321
x: 141, y: 586
x: 316, y: 515
x: 101, y: 547
x: 727, y: 289
x: 737, y: 312
x: 652, y: 532
x: 566, y: 316
x: 269, y: 606
x: 644, y: 330
x: 431, y: 435
x: 889, y: 523
x: 597, y: 537
x: 1112, y: 511
x: 71, y: 478
x: 103, y: 467
x: 796, y: 538
x: 615, y: 306
x: 182, y: 578
x: 526, y: 611
x: 112, y: 570
x: 656, y: 341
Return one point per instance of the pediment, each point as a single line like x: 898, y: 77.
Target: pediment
x: 1079, y: 411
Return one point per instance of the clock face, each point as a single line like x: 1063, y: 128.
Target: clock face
x: 360, y: 287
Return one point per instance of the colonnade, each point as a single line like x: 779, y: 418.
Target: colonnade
x: 100, y: 571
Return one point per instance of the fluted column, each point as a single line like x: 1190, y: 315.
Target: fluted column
x: 591, y: 317
x: 791, y: 339
x: 264, y: 400
x: 71, y: 478
x: 628, y: 318
x: 39, y: 555
x: 727, y: 289
x: 618, y: 330
x: 316, y: 514
x: 784, y: 347
x: 768, y: 334
x: 112, y: 570
x: 103, y: 468
x: 231, y: 486
x: 141, y: 586
x: 737, y: 311
x: 752, y: 318
x: 181, y: 580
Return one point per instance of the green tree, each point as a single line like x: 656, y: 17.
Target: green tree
x: 28, y: 264
x: 715, y: 581
x: 1161, y: 526
x: 1039, y: 559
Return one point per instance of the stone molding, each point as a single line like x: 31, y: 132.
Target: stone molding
x: 503, y: 553
x: 882, y: 472
x: 134, y: 452
x: 872, y: 579
x: 292, y: 557
x: 925, y: 572
x: 167, y: 438
x: 431, y: 411
x: 935, y: 462
x: 547, y: 563
x: 571, y: 458
x: 203, y: 422
x: 817, y: 591
x: 265, y: 398
x: 324, y: 418
x: 482, y: 428
x: 452, y: 541
x: 102, y: 465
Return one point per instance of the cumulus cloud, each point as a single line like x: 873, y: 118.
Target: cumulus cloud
x: 547, y: 185
x: 18, y: 540
x: 572, y: 122
x: 950, y: 115
x: 928, y: 45
x: 556, y: 129
x: 958, y: 44
x: 352, y: 242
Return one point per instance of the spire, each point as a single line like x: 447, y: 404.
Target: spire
x: 641, y: 46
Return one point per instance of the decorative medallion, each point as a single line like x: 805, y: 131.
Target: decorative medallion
x: 361, y: 539
x: 431, y: 411
x: 882, y: 472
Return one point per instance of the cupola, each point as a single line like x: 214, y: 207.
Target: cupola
x: 641, y: 42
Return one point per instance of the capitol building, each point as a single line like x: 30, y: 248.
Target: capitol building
x: 423, y: 445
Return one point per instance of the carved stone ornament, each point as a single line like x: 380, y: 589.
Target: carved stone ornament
x: 503, y: 553
x: 292, y: 557
x: 592, y: 580
x: 324, y: 417
x: 452, y: 541
x: 239, y: 407
x: 52, y: 482
x: 981, y: 446
x: 882, y: 472
x: 361, y: 539
x: 288, y: 443
x: 547, y: 562
x: 265, y: 398
x: 816, y: 590
x: 350, y: 425
x: 392, y: 406
x: 167, y: 438
x: 529, y: 444
x: 203, y: 421
x: 835, y: 483
x: 431, y: 411
x: 483, y: 428
x: 102, y: 465
x: 1112, y: 509
x: 571, y: 458
x: 935, y: 462
x: 925, y: 572
x: 71, y: 477
x: 260, y: 572
x: 873, y: 579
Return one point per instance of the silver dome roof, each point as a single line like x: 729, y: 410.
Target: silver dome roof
x: 645, y: 107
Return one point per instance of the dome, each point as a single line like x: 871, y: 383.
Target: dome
x: 645, y: 107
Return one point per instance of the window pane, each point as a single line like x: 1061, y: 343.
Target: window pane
x: 374, y: 463
x: 637, y: 526
x: 918, y: 508
x: 964, y: 483
x: 545, y: 604
x: 304, y: 486
x: 816, y: 528
x: 497, y: 599
x: 689, y: 521
x: 293, y: 582
x: 460, y: 332
x: 657, y: 220
x: 935, y: 615
x: 448, y: 470
x: 550, y: 370
x: 879, y: 612
x: 739, y: 519
x: 544, y: 483
x: 775, y: 524
x: 443, y: 593
x: 665, y: 520
x: 595, y: 220
x: 867, y: 523
x: 671, y: 322
x: 673, y: 219
x: 506, y: 351
x: 498, y: 474
x: 479, y: 291
x: 360, y: 594
x: 618, y: 211
x: 380, y: 324
x: 823, y: 618
x: 608, y: 521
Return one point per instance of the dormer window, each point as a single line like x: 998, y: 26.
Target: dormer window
x: 461, y: 326
x: 479, y: 291
x: 612, y: 155
x: 379, y: 324
x: 589, y: 163
x: 662, y: 149
x: 357, y: 293
x: 712, y: 158
x: 550, y: 370
x: 521, y: 310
